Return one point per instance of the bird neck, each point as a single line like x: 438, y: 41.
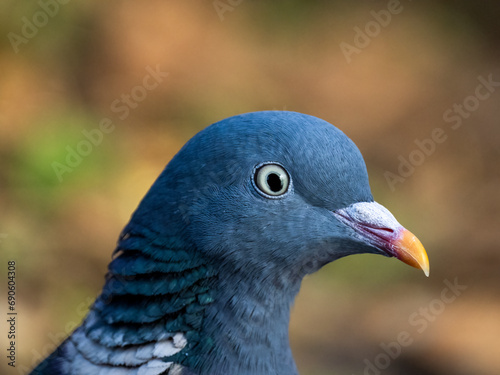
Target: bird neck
x: 234, y: 321
x: 248, y: 323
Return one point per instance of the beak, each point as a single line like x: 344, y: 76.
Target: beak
x: 374, y: 225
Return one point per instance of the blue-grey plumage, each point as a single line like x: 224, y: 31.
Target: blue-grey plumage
x: 206, y: 271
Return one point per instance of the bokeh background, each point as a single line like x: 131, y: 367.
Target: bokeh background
x: 70, y: 72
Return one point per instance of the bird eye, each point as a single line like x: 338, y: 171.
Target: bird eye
x: 272, y: 179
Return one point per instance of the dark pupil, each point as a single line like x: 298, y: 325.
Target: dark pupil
x: 274, y: 182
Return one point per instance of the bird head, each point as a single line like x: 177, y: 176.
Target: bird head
x: 274, y: 192
x: 208, y: 267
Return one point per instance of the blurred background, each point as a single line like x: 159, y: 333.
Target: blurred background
x: 412, y: 83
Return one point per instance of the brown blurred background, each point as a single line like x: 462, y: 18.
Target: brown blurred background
x: 65, y: 68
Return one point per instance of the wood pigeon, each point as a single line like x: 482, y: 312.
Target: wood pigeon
x: 205, y: 273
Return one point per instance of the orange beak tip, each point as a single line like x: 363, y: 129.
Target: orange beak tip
x: 410, y: 250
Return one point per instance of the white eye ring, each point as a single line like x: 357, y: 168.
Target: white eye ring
x: 272, y: 179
